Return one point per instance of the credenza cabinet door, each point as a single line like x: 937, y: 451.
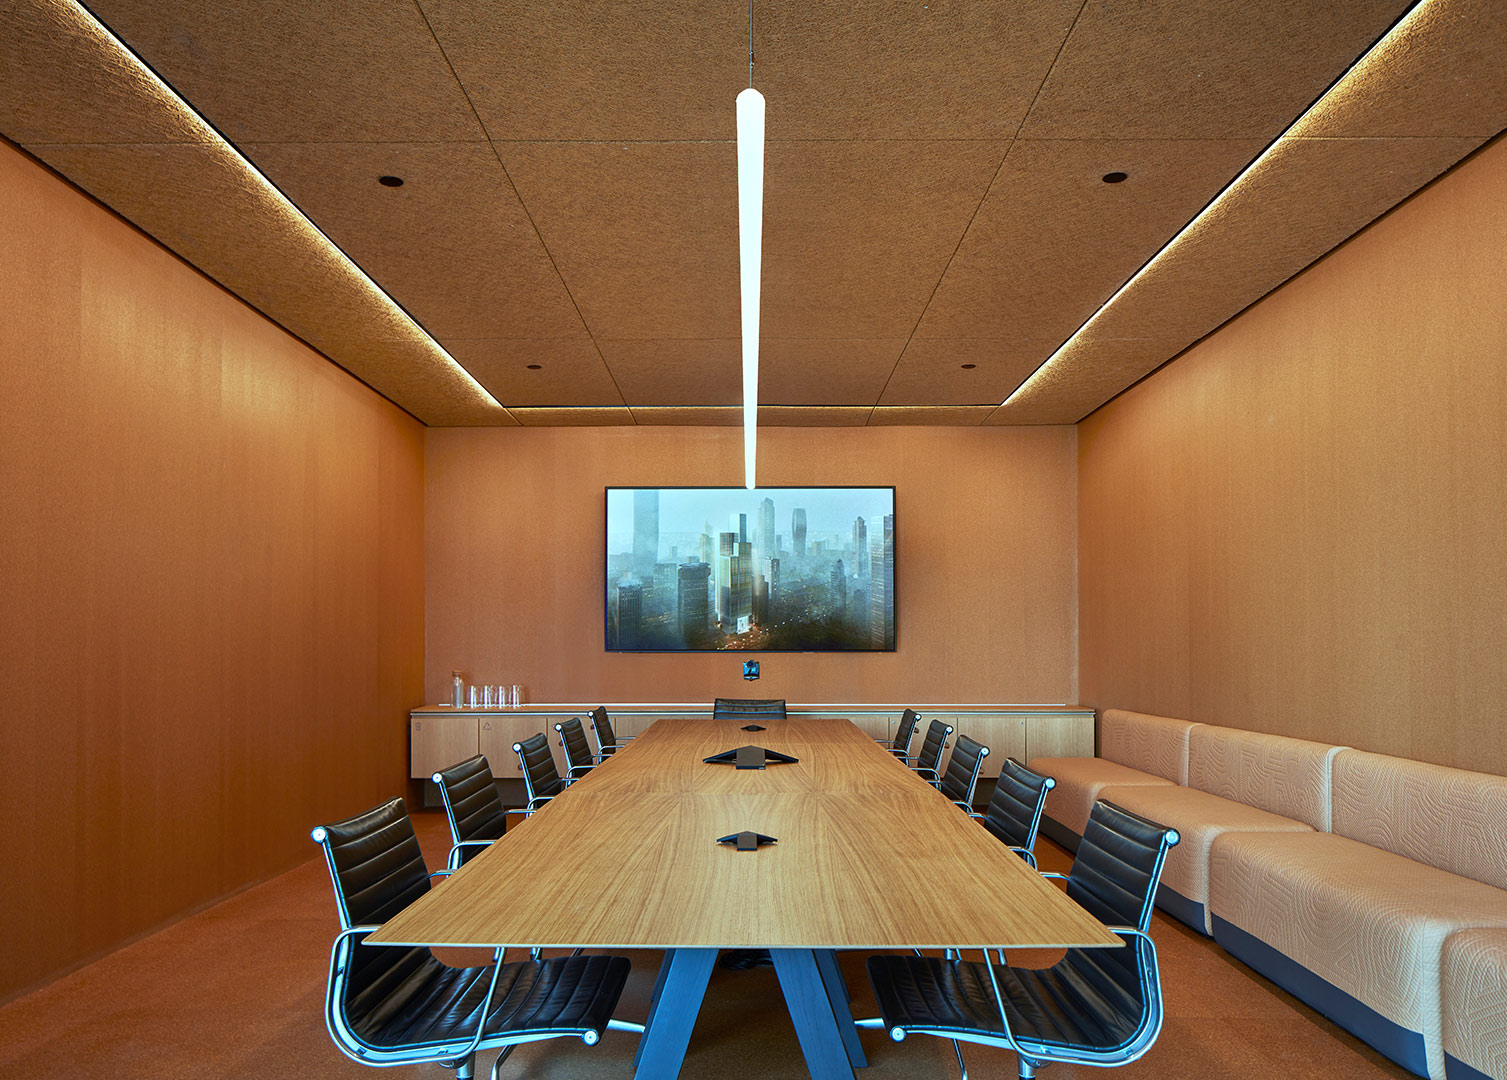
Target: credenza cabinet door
x: 875, y: 725
x: 437, y: 742
x: 1004, y: 735
x: 499, y: 733
x: 1059, y: 735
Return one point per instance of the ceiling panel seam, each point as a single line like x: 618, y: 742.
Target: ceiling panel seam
x: 1014, y: 137
x: 550, y: 255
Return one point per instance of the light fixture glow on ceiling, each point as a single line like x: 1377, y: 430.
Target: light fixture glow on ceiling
x: 1345, y: 84
x: 86, y: 20
x: 750, y: 260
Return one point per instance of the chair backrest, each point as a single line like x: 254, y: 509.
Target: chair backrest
x: 748, y: 709
x: 573, y: 742
x: 602, y: 725
x: 1014, y: 812
x: 905, y: 731
x: 933, y: 745
x: 540, y: 777
x: 1114, y: 878
x: 377, y: 871
x: 469, y: 792
x: 962, y: 773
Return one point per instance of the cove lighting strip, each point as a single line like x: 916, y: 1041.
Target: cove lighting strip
x: 92, y: 25
x: 750, y: 261
x: 1345, y: 84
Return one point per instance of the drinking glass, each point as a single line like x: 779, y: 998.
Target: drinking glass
x: 516, y: 696
x: 474, y: 694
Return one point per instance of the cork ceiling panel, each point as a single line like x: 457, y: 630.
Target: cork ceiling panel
x: 1439, y: 75
x: 644, y: 234
x: 1200, y: 69
x: 932, y: 370
x: 676, y: 371
x: 1292, y: 203
x: 933, y: 183
x: 1052, y: 241
x: 569, y: 371
x: 825, y: 371
x: 930, y: 416
x: 573, y: 417
x: 453, y: 242
x: 52, y: 62
x: 856, y: 234
x: 888, y: 69
x: 276, y: 72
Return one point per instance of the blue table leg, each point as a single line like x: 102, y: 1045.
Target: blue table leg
x: 672, y: 1014
x: 837, y: 994
x: 810, y: 1005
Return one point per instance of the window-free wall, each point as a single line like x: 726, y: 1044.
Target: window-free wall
x: 984, y: 555
x: 1300, y: 526
x: 211, y: 586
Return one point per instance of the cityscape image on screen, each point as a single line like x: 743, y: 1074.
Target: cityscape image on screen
x: 773, y: 569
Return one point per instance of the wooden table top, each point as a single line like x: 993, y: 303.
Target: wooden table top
x: 869, y: 856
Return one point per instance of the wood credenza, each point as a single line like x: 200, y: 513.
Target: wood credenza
x: 442, y: 735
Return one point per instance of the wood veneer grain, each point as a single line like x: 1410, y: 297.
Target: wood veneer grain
x: 868, y: 856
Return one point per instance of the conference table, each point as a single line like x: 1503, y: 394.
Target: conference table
x: 868, y: 856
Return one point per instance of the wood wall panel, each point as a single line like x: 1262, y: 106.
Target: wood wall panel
x: 1301, y: 525
x: 211, y: 551
x: 985, y: 525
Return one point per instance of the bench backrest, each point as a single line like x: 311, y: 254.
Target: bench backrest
x: 1153, y: 744
x: 1448, y: 818
x: 1290, y: 777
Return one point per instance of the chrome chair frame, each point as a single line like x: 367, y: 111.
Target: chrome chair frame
x: 574, y: 769
x: 910, y: 720
x: 535, y: 800
x: 458, y: 1051
x: 914, y: 763
x: 958, y: 784
x: 458, y: 846
x: 608, y: 746
x: 1033, y: 1052
x: 1028, y: 851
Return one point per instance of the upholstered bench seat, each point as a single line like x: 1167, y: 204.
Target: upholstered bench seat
x: 1198, y: 818
x: 1475, y: 1005
x: 1355, y: 931
x: 1080, y: 781
x: 1134, y: 749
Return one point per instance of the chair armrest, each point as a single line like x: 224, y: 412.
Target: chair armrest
x: 1053, y: 874
x: 975, y: 814
x: 1026, y: 854
x: 453, y: 861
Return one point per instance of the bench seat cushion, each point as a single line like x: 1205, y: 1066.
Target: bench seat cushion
x: 1475, y: 1005
x: 1355, y: 931
x: 1079, y: 781
x: 1198, y: 817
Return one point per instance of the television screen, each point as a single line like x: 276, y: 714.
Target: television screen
x: 773, y: 569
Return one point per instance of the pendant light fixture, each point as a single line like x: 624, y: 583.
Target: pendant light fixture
x: 750, y: 106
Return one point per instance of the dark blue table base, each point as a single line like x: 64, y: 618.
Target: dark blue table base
x: 814, y: 992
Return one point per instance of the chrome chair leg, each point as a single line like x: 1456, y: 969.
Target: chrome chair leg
x: 506, y: 1050
x: 465, y: 1068
x: 958, y: 1050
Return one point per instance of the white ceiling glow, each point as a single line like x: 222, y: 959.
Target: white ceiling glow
x: 750, y: 250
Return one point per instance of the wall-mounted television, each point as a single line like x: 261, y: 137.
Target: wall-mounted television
x: 779, y: 569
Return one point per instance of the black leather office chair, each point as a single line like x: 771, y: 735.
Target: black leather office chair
x: 1093, y: 1007
x: 469, y: 791
x: 541, y: 780
x: 905, y: 733
x: 397, y: 1004
x: 748, y: 709
x: 579, y: 759
x: 608, y: 741
x: 962, y: 774
x: 1014, y: 811
x: 926, y: 762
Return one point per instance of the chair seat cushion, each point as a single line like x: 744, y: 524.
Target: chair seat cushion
x: 1475, y: 1004
x: 1319, y: 914
x: 1079, y: 782
x: 1198, y: 817
x: 429, y: 1004
x: 1059, y: 1005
